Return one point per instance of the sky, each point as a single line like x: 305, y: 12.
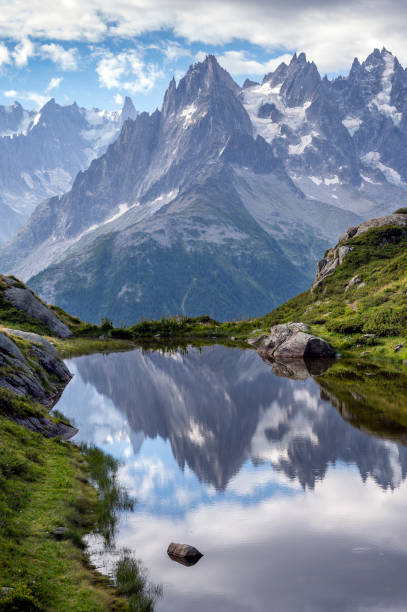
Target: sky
x: 96, y: 52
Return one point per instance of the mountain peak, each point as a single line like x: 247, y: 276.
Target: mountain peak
x: 128, y: 110
x: 201, y: 79
x: 299, y: 59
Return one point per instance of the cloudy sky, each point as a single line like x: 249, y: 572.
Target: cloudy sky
x: 98, y: 51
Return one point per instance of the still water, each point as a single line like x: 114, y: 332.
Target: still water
x: 293, y: 508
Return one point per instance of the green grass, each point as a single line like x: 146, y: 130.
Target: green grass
x: 44, y: 485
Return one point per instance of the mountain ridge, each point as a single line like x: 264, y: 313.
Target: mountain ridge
x: 286, y: 149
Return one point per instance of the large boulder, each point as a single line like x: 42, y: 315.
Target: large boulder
x: 292, y: 341
x: 24, y: 299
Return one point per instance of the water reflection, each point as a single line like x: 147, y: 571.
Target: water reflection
x: 293, y: 508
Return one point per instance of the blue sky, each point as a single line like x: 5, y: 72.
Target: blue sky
x: 95, y: 51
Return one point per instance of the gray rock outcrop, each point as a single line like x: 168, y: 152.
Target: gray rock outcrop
x: 290, y: 341
x: 21, y: 374
x: 24, y: 299
x: 335, y: 256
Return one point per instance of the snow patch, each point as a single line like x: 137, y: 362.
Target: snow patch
x: 316, y: 180
x: 332, y: 181
x: 382, y: 100
x: 256, y: 96
x: 372, y: 159
x: 305, y: 142
x: 369, y: 180
x: 352, y: 124
x: 191, y: 115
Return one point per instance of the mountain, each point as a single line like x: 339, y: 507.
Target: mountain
x: 191, y: 193
x: 342, y: 141
x: 232, y: 193
x: 42, y: 151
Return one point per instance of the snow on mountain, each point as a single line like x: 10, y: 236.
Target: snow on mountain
x: 230, y: 192
x: 42, y: 151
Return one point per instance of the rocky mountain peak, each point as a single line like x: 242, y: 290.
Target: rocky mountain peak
x: 301, y: 81
x: 128, y: 110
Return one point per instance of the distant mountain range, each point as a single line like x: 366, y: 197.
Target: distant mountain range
x: 222, y: 202
x: 42, y: 151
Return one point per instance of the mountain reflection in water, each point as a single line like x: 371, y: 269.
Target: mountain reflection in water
x: 293, y: 507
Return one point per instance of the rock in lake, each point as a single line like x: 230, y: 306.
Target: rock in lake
x: 292, y: 341
x: 184, y: 553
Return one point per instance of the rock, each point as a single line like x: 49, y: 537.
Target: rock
x: 8, y: 346
x: 398, y: 347
x: 184, y: 553
x: 233, y: 338
x: 353, y: 232
x: 328, y: 264
x: 353, y: 281
x: 46, y: 427
x: 22, y: 376
x: 60, y: 532
x: 291, y: 341
x: 24, y: 299
x: 256, y: 341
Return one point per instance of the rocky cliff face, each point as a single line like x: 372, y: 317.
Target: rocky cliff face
x: 31, y: 369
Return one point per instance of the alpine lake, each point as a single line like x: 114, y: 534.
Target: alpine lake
x: 290, y: 480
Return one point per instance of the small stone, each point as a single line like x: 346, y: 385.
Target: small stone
x: 60, y: 532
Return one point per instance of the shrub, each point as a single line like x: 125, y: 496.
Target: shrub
x: 121, y: 333
x: 345, y: 324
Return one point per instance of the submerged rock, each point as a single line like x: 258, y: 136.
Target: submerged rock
x: 184, y: 553
x: 292, y: 341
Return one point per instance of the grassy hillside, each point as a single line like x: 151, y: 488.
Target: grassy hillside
x: 367, y: 316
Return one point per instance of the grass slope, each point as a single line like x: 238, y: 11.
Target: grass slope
x: 370, y: 316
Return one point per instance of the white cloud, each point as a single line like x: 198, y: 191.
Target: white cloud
x: 22, y: 52
x: 174, y: 51
x: 127, y: 71
x: 4, y: 55
x: 118, y: 99
x: 54, y: 83
x: 38, y: 98
x: 331, y: 33
x: 66, y: 59
x: 239, y: 62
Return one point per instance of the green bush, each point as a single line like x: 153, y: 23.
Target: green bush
x: 121, y: 333
x: 389, y: 322
x: 345, y: 324
x: 19, y: 599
